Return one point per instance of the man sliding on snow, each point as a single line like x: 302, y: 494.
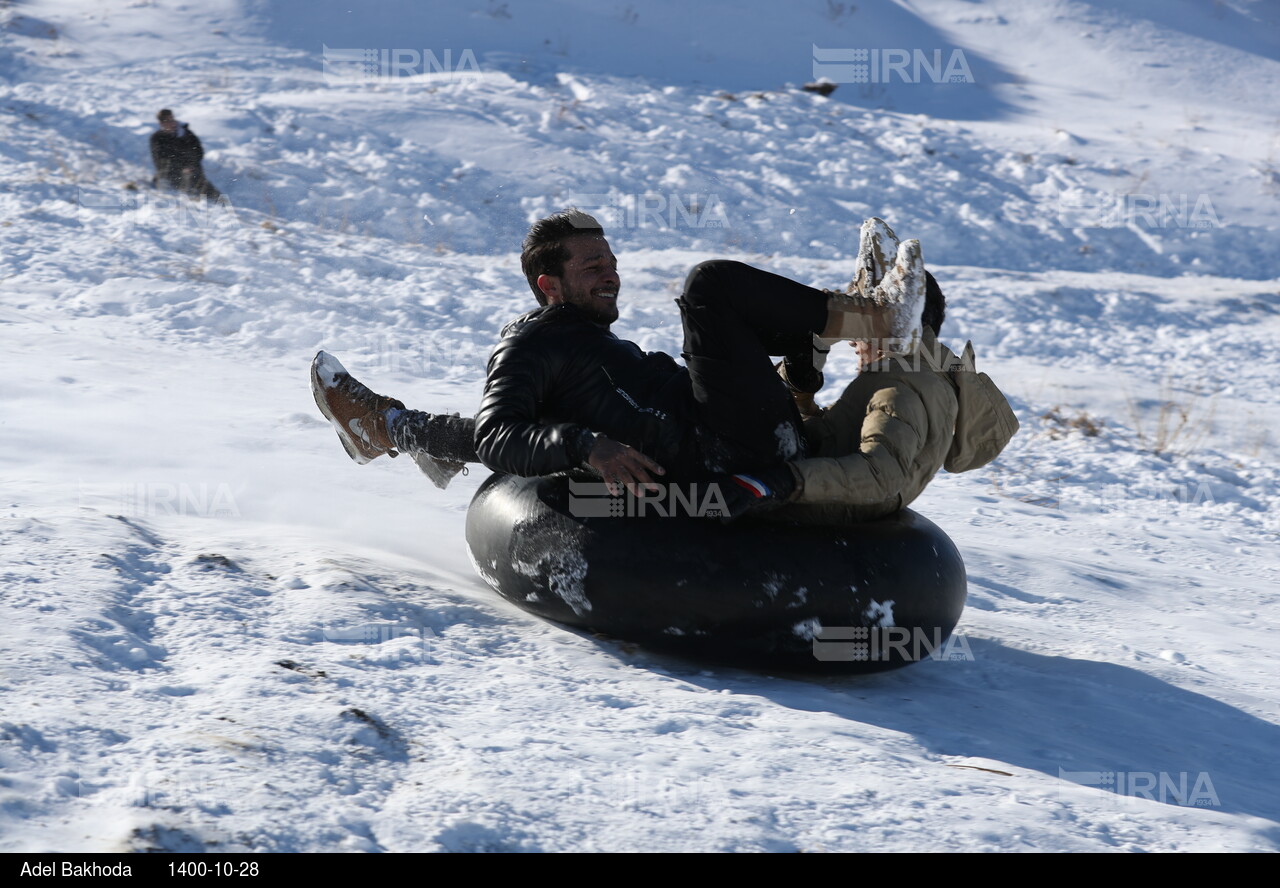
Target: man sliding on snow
x: 179, y: 159
x: 563, y: 391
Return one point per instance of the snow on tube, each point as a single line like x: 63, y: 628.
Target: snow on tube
x: 839, y: 599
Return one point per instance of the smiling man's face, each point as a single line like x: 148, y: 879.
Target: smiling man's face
x: 590, y: 280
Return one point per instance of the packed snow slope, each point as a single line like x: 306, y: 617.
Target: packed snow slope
x: 220, y: 634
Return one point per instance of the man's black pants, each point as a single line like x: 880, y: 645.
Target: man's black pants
x: 735, y: 317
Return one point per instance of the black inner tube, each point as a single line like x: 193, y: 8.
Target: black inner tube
x: 853, y: 598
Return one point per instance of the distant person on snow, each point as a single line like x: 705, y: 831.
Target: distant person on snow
x: 564, y: 392
x: 178, y: 157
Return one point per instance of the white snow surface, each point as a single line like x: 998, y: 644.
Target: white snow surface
x: 221, y: 634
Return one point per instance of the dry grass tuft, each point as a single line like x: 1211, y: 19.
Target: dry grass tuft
x: 1177, y: 424
x: 1060, y: 421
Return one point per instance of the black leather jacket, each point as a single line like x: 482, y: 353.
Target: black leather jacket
x: 556, y: 377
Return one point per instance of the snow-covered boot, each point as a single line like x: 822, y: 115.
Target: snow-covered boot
x: 858, y: 312
x: 877, y: 247
x: 903, y: 290
x: 357, y: 414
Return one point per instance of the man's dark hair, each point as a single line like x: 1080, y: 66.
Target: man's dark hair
x: 544, y: 251
x: 165, y: 114
x: 935, y: 304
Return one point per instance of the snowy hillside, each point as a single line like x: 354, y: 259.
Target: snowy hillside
x: 220, y: 634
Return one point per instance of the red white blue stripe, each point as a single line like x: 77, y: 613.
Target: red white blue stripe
x: 755, y: 485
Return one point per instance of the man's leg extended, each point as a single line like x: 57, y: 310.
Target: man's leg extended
x: 735, y: 317
x: 447, y: 436
x: 370, y: 425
